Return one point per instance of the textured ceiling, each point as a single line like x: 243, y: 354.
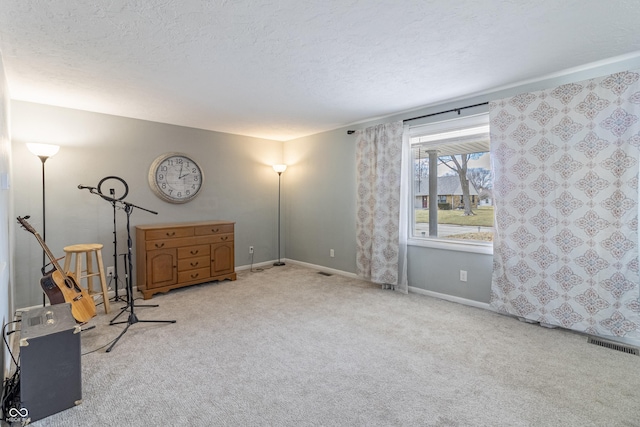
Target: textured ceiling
x: 281, y: 69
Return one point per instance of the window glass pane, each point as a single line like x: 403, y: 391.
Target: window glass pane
x: 463, y: 181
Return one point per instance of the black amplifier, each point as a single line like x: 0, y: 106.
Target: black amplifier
x: 50, y: 369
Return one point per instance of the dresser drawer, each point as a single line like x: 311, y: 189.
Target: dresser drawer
x: 179, y: 242
x: 193, y: 263
x: 221, y: 238
x: 169, y: 233
x: 204, y: 230
x: 191, y: 275
x: 193, y: 251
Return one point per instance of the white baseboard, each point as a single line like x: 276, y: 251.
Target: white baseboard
x: 420, y: 291
x: 252, y: 266
x: 300, y: 263
x: 451, y: 298
x: 413, y: 289
x: 110, y: 294
x: 324, y: 269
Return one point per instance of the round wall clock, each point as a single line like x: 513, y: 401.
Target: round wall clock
x: 175, y: 177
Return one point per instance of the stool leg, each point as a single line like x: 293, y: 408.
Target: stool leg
x: 103, y: 281
x: 67, y: 261
x: 89, y: 264
x: 78, y: 271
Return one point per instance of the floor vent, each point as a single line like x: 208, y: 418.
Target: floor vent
x: 614, y: 346
x: 324, y: 273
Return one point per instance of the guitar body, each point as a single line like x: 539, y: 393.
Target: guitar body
x: 60, y: 290
x: 62, y: 287
x: 51, y: 289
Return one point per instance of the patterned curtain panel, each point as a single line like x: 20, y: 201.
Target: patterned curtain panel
x: 378, y: 161
x: 566, y: 205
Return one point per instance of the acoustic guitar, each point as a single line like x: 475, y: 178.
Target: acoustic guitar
x: 62, y: 287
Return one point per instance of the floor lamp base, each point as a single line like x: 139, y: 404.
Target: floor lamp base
x: 278, y: 264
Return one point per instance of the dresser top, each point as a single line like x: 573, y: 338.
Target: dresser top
x: 181, y: 224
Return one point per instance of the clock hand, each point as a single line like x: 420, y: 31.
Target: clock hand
x: 180, y: 176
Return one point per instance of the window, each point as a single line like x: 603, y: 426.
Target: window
x: 451, y: 160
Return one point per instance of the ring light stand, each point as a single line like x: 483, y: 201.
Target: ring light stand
x: 113, y: 199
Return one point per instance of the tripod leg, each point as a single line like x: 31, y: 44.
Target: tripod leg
x: 147, y: 305
x: 117, y: 339
x: 157, y: 321
x: 125, y: 308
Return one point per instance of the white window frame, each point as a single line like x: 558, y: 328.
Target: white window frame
x: 450, y: 125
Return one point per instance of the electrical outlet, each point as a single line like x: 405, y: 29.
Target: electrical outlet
x: 332, y: 253
x: 463, y: 275
x: 110, y: 271
x: 250, y: 249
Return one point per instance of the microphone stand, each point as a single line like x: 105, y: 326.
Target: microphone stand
x: 132, y: 319
x: 126, y: 257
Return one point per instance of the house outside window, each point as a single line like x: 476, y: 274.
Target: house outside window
x: 453, y: 158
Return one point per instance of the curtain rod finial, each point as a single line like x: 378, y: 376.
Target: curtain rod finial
x: 351, y: 132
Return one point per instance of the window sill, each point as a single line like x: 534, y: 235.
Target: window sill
x: 450, y: 245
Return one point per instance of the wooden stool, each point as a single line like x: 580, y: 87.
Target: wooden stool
x: 87, y: 249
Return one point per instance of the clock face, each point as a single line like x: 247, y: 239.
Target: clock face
x: 175, y: 177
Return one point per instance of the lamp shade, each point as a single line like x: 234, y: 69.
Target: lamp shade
x: 279, y: 168
x: 43, y: 150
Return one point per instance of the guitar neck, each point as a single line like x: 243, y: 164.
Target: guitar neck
x: 52, y: 258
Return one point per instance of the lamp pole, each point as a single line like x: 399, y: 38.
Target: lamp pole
x: 279, y: 169
x: 44, y: 210
x: 43, y: 151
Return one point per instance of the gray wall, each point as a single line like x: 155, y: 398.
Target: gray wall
x: 239, y: 186
x: 321, y: 203
x: 318, y: 189
x: 320, y: 200
x: 6, y: 275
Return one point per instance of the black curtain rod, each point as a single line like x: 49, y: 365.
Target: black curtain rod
x: 448, y: 111
x: 349, y: 132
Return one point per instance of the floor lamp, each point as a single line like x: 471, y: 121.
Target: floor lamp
x: 279, y: 169
x: 43, y: 151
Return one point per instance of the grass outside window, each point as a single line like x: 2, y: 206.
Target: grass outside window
x: 483, y: 217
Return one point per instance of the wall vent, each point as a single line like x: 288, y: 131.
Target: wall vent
x: 325, y: 273
x: 614, y: 346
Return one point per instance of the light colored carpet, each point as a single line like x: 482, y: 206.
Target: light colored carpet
x: 290, y: 347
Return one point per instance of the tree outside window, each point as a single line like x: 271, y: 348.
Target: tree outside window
x: 456, y: 162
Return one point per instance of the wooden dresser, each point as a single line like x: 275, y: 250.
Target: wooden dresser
x: 170, y: 256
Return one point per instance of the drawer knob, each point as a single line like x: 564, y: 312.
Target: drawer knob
x: 173, y: 233
x: 193, y: 276
x: 194, y: 264
x: 215, y: 230
x: 159, y: 245
x: 194, y: 252
x: 224, y: 238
